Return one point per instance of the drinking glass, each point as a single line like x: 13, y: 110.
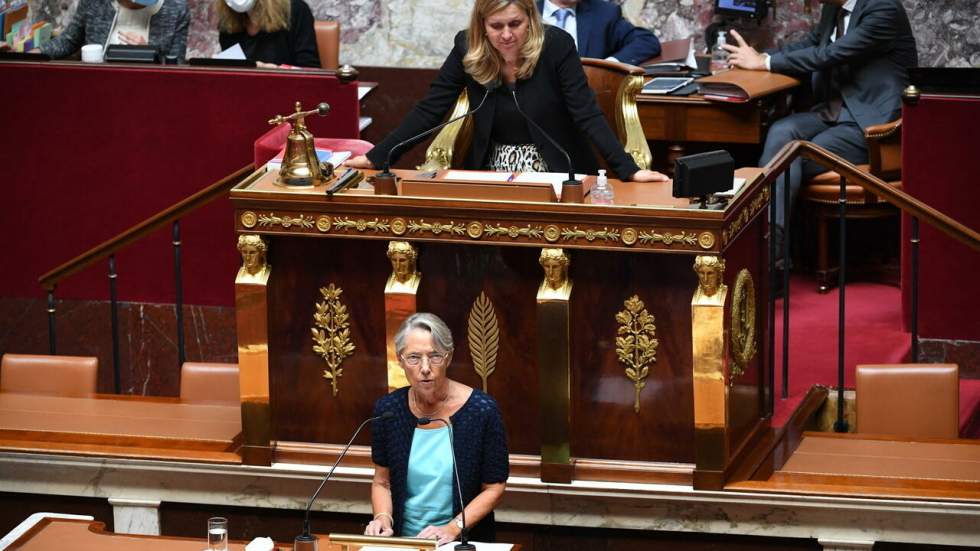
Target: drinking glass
x: 217, y: 534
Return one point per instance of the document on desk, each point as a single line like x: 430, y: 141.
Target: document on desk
x: 478, y: 175
x: 554, y: 178
x: 448, y: 547
x: 737, y: 184
x: 234, y: 52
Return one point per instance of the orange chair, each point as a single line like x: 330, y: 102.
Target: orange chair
x: 328, y: 43
x: 914, y: 400
x: 209, y: 383
x: 43, y: 374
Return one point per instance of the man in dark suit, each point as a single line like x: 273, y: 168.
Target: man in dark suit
x: 858, y: 56
x: 600, y: 30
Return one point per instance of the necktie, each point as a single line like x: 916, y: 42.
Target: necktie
x: 839, y: 32
x: 562, y: 15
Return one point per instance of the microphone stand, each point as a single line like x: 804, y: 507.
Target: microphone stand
x: 306, y: 540
x: 384, y: 181
x: 463, y: 545
x: 573, y: 194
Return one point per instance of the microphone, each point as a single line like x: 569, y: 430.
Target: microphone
x: 463, y: 545
x: 307, y: 537
x: 571, y: 172
x: 386, y: 173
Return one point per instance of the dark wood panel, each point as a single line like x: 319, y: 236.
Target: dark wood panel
x: 15, y: 508
x: 399, y: 89
x: 603, y: 420
x: 246, y: 523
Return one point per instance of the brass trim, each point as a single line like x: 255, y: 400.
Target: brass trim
x: 248, y: 219
x: 589, y: 234
x: 401, y: 290
x: 302, y: 221
x: 251, y: 325
x: 377, y: 225
x: 911, y: 95
x: 513, y: 232
x: 323, y: 223
x: 668, y: 238
x: 743, y: 325
x: 636, y: 344
x: 331, y: 333
x: 398, y: 226
x: 435, y: 228
x: 628, y: 122
x: 552, y: 233
x: 346, y: 541
x: 474, y: 229
x: 708, y: 351
x: 439, y: 155
x: 745, y: 215
x: 483, y: 335
x: 630, y: 236
x: 706, y: 239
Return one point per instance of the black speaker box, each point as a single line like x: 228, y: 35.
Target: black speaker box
x: 703, y: 174
x: 132, y: 54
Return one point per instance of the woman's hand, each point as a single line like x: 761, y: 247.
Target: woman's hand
x: 132, y: 39
x: 361, y: 161
x: 380, y: 526
x: 644, y: 175
x: 442, y: 534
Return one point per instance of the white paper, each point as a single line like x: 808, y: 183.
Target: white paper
x: 554, y: 178
x: 737, y: 184
x: 234, y: 52
x: 479, y: 546
x: 362, y: 90
x: 364, y: 122
x: 691, y: 61
x: 477, y: 175
x: 260, y: 544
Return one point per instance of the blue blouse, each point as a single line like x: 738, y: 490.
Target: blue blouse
x: 430, y: 481
x: 479, y: 440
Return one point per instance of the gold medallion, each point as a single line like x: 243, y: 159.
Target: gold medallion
x: 249, y: 219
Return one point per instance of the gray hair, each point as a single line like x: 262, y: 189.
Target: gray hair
x: 442, y: 337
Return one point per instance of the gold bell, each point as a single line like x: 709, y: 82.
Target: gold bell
x: 300, y: 165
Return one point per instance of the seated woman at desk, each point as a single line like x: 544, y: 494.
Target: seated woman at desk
x: 270, y: 32
x: 507, y: 50
x: 413, y: 493
x: 160, y: 23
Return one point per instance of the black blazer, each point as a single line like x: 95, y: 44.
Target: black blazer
x: 557, y: 97
x: 874, y: 56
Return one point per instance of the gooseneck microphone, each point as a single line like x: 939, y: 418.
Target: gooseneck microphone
x: 386, y: 173
x: 463, y: 545
x: 571, y: 172
x: 307, y: 537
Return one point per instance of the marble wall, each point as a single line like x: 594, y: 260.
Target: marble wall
x: 417, y: 33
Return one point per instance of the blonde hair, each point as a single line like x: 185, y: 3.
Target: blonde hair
x: 482, y: 61
x: 269, y: 15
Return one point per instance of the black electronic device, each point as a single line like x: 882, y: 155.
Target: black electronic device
x: 702, y: 174
x: 213, y: 62
x: 463, y: 545
x: 128, y: 53
x: 752, y: 9
x: 23, y: 56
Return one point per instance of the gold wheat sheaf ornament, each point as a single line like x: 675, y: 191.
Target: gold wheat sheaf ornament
x: 331, y: 333
x: 636, y: 345
x: 484, y: 337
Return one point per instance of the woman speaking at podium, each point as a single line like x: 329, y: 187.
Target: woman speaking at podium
x: 413, y: 493
x: 508, y: 51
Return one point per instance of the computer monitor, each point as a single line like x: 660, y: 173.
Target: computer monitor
x: 741, y: 8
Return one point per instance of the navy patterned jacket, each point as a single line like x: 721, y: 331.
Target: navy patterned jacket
x: 480, y: 442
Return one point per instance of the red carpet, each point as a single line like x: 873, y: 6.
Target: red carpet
x: 874, y: 335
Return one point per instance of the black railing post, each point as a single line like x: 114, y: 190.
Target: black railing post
x: 52, y: 337
x: 771, y: 310
x: 914, y: 322
x: 114, y: 312
x: 178, y: 295
x: 841, y: 424
x: 787, y: 177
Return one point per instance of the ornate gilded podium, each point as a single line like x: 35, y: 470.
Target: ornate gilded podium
x: 622, y: 342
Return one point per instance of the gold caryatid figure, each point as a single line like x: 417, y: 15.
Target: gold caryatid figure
x: 404, y: 276
x: 556, y: 284
x: 254, y: 266
x: 711, y: 273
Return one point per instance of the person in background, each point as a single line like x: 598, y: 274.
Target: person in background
x: 160, y: 23
x: 271, y: 32
x: 600, y: 30
x: 858, y: 55
x: 506, y: 47
x: 413, y: 493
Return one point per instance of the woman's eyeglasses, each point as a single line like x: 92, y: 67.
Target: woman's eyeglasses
x: 435, y: 359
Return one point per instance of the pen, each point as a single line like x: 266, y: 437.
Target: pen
x: 511, y: 177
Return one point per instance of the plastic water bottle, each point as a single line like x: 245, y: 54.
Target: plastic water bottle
x: 719, y: 55
x: 602, y: 192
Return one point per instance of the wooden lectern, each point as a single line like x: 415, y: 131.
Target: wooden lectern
x: 610, y: 356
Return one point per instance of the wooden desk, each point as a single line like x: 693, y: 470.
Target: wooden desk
x: 119, y: 426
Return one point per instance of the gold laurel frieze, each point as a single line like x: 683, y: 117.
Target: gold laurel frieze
x: 376, y: 225
x: 271, y: 219
x: 331, y: 334
x: 528, y: 231
x: 668, y: 238
x: 636, y: 344
x: 746, y: 214
x: 743, y: 328
x: 436, y: 228
x: 483, y: 335
x: 589, y: 234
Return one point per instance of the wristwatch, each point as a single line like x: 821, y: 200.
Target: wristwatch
x: 459, y: 523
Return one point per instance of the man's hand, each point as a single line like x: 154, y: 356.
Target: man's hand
x: 744, y: 56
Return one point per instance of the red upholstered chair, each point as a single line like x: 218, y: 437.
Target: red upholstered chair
x: 271, y: 143
x: 209, y: 383
x: 328, y: 43
x: 822, y: 193
x: 42, y: 374
x: 914, y: 400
